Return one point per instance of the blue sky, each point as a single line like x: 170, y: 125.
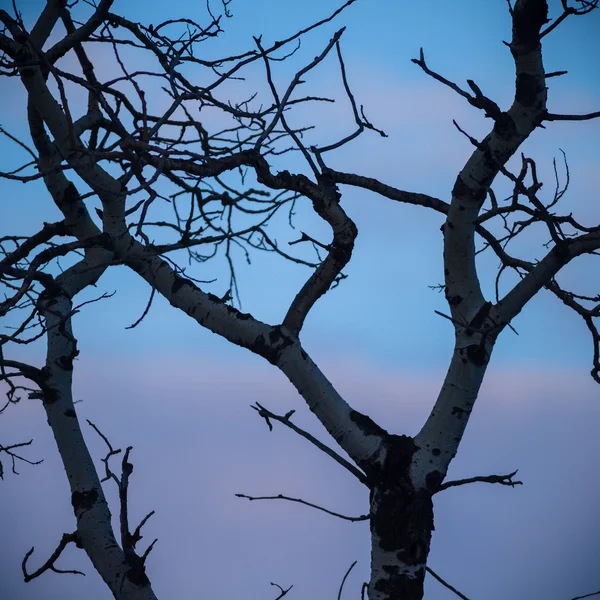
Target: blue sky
x: 180, y: 394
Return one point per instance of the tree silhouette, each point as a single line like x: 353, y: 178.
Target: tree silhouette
x: 175, y: 164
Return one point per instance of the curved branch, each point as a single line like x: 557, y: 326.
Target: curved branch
x: 66, y: 539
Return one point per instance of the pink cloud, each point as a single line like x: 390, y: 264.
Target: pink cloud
x: 197, y: 442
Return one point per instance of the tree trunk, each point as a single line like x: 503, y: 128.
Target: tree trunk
x: 401, y: 524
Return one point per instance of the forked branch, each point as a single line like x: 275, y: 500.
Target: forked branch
x: 267, y: 415
x: 49, y: 565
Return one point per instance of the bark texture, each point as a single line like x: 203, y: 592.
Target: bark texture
x: 401, y: 524
x: 124, y: 575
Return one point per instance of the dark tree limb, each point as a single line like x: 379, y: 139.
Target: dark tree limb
x: 128, y: 539
x: 445, y: 583
x: 339, y: 596
x: 501, y: 479
x: 14, y: 457
x: 558, y: 117
x: 282, y: 592
x: 586, y: 596
x: 300, y: 501
x: 587, y: 6
x: 267, y: 415
x: 477, y: 99
x: 66, y: 539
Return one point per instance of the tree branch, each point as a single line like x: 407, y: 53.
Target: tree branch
x: 66, y: 539
x: 501, y: 479
x: 300, y: 501
x: 445, y: 583
x: 267, y: 415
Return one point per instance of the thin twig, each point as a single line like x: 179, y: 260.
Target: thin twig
x: 285, y: 419
x: 339, y: 596
x: 300, y: 501
x: 283, y: 592
x: 445, y: 583
x: 587, y: 595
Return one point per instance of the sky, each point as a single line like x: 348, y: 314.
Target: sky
x: 181, y: 395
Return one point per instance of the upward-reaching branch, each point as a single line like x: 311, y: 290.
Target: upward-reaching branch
x: 476, y: 327
x: 278, y: 344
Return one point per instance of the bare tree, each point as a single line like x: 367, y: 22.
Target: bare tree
x: 212, y: 158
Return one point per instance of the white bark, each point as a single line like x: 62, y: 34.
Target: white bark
x: 477, y: 323
x: 278, y: 345
x: 89, y: 504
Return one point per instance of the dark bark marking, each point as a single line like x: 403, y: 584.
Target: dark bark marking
x: 105, y: 241
x: 84, y: 500
x: 453, y: 300
x: 463, y: 191
x: 341, y: 252
x: 490, y: 162
x: 477, y: 354
x: 367, y: 425
x: 240, y: 315
x: 179, y: 282
x: 400, y: 586
x: 505, y: 127
x: 66, y: 362
x: 527, y: 89
x: 70, y: 194
x: 403, y: 517
x: 562, y: 252
x: 478, y: 320
x: 272, y: 349
x: 436, y: 452
x: 528, y: 19
x: 50, y: 395
x: 137, y: 573
x: 399, y: 453
x: 70, y: 413
x: 49, y: 301
x: 403, y: 520
x: 433, y: 481
x: 457, y: 411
